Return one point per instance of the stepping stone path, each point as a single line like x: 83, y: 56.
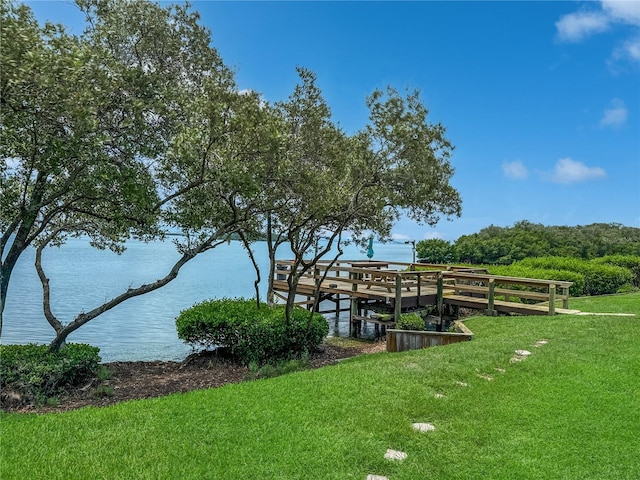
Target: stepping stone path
x: 519, y: 356
x: 423, y: 427
x: 395, y: 455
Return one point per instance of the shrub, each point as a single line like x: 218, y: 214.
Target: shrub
x: 523, y: 271
x: 34, y: 373
x: 599, y: 279
x: 630, y: 262
x: 251, y: 334
x: 410, y: 321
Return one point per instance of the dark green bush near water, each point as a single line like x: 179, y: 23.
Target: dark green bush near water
x: 251, y: 334
x: 34, y: 374
x: 599, y: 278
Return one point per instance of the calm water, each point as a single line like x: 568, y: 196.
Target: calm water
x: 142, y: 328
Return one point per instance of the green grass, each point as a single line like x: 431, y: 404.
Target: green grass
x: 571, y: 410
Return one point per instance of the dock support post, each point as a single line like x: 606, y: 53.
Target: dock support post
x: 552, y: 299
x: 439, y: 300
x: 354, y: 309
x: 398, y: 305
x: 492, y: 291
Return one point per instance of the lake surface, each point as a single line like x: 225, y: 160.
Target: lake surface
x: 142, y: 328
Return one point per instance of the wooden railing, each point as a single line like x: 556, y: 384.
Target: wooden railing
x: 496, y: 290
x: 454, y: 285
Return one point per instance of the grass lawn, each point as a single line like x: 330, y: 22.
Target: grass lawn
x: 570, y: 410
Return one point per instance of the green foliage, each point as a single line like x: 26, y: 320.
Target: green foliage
x: 35, y: 373
x: 524, y: 271
x: 599, y: 278
x: 435, y: 251
x: 505, y: 245
x: 410, y: 321
x: 251, y: 334
x: 630, y: 262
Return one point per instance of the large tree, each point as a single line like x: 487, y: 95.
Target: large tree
x: 133, y: 128
x: 331, y: 185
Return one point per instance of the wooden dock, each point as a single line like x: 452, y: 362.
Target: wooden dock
x: 380, y: 291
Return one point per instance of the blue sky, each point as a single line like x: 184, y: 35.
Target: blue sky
x: 541, y: 99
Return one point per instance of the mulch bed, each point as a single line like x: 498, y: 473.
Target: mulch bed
x: 136, y: 380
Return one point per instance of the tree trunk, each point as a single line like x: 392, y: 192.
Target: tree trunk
x: 63, y: 331
x: 24, y: 223
x: 18, y: 247
x: 272, y: 261
x: 256, y: 283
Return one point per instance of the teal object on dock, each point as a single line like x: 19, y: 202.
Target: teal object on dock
x: 370, y: 249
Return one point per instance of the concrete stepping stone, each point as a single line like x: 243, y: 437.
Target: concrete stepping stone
x: 423, y: 427
x: 520, y: 356
x: 485, y: 376
x: 462, y: 384
x: 501, y: 370
x: 376, y: 477
x: 440, y: 395
x: 395, y: 455
x: 540, y: 343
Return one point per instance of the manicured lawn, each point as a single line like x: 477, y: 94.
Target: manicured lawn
x: 569, y: 410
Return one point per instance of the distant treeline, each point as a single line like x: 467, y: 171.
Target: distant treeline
x: 505, y: 245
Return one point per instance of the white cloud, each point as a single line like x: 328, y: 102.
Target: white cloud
x: 577, y: 26
x: 515, y: 169
x: 629, y: 50
x: 626, y: 11
x: 569, y: 171
x: 615, y: 115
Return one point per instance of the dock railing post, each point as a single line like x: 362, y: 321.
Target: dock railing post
x: 398, y: 304
x: 565, y: 297
x: 492, y: 295
x: 552, y: 299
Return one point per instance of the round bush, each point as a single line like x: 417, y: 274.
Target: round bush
x: 35, y: 373
x: 410, y: 321
x: 251, y: 334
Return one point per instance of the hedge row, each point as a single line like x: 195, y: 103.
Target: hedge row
x: 33, y: 373
x: 523, y: 271
x: 630, y: 262
x: 599, y: 278
x: 251, y: 334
